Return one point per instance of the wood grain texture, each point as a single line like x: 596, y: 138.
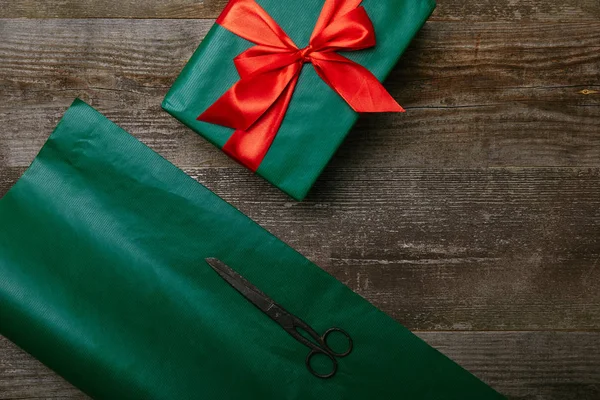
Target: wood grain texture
x: 111, y: 8
x: 528, y: 365
x: 521, y: 365
x: 457, y: 10
x: 444, y: 249
x: 478, y: 94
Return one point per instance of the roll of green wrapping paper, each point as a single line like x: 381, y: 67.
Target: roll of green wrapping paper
x: 103, y: 279
x: 318, y: 119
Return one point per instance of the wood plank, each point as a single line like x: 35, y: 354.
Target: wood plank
x: 485, y: 10
x: 521, y: 365
x: 443, y: 249
x: 111, y: 8
x: 478, y: 94
x: 528, y: 365
x: 522, y: 10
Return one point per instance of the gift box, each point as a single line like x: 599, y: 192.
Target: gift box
x: 278, y: 85
x: 103, y: 279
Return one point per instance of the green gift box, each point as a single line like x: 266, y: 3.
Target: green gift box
x: 318, y: 119
x: 103, y: 278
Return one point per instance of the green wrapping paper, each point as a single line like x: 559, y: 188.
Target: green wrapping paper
x: 318, y: 119
x: 102, y: 244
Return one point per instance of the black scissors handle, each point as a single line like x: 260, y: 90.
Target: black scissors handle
x: 327, y: 351
x: 318, y: 345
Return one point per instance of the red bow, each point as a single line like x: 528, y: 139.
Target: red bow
x: 256, y: 104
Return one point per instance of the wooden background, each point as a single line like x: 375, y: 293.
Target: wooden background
x: 473, y: 219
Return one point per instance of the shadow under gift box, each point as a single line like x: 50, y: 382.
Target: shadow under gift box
x: 318, y: 119
x: 103, y: 279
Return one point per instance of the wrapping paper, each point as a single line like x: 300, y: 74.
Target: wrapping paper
x: 103, y: 279
x: 318, y: 119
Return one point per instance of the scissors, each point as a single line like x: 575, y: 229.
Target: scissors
x: 289, y: 322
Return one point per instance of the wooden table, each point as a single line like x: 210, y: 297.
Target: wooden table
x: 474, y: 219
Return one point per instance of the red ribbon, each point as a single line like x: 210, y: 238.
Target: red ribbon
x: 256, y: 104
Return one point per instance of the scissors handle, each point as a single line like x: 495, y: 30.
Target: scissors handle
x: 328, y: 352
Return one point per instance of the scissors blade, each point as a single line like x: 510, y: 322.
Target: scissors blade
x: 248, y: 290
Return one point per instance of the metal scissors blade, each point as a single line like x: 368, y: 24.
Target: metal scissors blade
x: 248, y: 290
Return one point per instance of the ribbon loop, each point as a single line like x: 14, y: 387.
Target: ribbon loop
x: 250, y: 21
x: 352, y: 31
x: 332, y: 10
x: 256, y: 105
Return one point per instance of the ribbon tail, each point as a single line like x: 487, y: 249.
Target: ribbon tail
x: 249, y: 99
x: 249, y: 147
x: 354, y: 83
